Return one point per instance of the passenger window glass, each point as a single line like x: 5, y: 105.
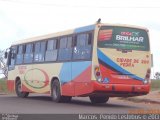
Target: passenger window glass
x: 40, y: 48
x: 63, y: 42
x: 51, y: 44
x: 29, y: 48
x: 20, y: 49
x: 65, y: 50
x: 37, y: 47
x: 51, y: 53
x: 69, y: 43
x: 43, y: 47
x: 82, y: 48
x: 19, y: 57
x: 28, y: 56
x: 82, y: 40
x: 89, y: 39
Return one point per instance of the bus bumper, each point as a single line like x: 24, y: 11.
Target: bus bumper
x: 120, y: 90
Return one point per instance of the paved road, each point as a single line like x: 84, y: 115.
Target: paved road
x: 39, y: 104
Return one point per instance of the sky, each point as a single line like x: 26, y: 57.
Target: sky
x: 20, y: 19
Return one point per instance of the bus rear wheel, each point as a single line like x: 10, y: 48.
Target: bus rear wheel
x: 56, y: 93
x: 19, y: 91
x: 97, y: 99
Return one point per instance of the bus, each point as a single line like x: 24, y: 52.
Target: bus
x: 96, y: 61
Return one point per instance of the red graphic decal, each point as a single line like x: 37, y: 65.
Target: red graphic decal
x: 30, y: 83
x: 80, y: 85
x: 105, y: 35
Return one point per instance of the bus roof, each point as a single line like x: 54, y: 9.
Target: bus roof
x: 52, y: 35
x: 76, y: 30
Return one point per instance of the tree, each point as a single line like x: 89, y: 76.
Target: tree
x: 3, y: 66
x: 157, y: 75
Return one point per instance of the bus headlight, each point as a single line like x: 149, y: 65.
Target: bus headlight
x: 147, y: 77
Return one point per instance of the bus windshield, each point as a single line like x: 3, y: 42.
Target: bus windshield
x: 124, y: 38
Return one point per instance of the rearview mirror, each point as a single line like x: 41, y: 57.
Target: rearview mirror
x: 9, y: 58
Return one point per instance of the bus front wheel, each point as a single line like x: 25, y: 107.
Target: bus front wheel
x: 97, y: 99
x: 19, y: 91
x: 56, y: 93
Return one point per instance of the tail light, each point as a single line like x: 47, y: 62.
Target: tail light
x: 97, y: 74
x: 147, y: 77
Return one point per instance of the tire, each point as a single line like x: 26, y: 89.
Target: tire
x: 56, y: 93
x: 19, y: 92
x: 102, y: 99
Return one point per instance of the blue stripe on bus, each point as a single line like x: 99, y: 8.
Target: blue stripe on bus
x: 79, y: 67
x: 84, y: 29
x: 65, y: 73
x: 112, y: 64
x: 70, y: 70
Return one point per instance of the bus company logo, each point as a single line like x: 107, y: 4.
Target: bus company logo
x: 133, y: 34
x: 41, y: 79
x: 130, y: 37
x: 105, y: 35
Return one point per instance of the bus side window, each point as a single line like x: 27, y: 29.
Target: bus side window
x: 19, y: 57
x: 36, y: 51
x: 51, y: 53
x: 28, y: 56
x: 39, y: 52
x: 82, y: 48
x: 65, y: 49
x: 42, y: 51
x: 90, y: 39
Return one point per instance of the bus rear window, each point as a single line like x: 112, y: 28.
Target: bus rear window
x: 123, y: 38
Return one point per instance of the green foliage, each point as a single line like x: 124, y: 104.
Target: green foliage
x: 157, y: 75
x: 3, y: 85
x: 155, y: 85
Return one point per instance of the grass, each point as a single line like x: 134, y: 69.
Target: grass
x: 155, y: 85
x: 3, y: 85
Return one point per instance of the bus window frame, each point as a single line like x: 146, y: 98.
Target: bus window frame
x: 31, y: 52
x: 55, y: 39
x: 91, y: 43
x: 35, y: 52
x: 22, y: 53
x: 67, y: 36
